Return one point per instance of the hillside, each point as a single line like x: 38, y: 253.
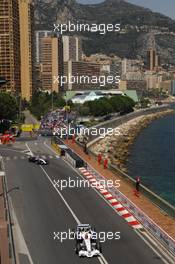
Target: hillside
x: 140, y: 26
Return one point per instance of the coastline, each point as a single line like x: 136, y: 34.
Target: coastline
x: 116, y: 148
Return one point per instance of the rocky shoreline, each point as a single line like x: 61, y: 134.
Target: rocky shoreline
x: 116, y: 148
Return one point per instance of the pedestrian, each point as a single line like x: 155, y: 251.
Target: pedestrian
x: 105, y: 163
x: 138, y: 184
x: 85, y: 148
x: 99, y: 158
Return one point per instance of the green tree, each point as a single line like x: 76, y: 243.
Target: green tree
x: 41, y: 103
x: 8, y: 107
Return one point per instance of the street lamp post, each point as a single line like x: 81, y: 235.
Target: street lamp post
x: 52, y: 101
x: 5, y: 194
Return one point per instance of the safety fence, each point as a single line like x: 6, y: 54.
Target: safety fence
x: 7, y: 247
x: 147, y: 223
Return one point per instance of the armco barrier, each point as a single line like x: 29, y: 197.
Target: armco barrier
x: 149, y: 224
x: 74, y: 159
x: 164, y: 205
x: 63, y: 150
x: 7, y: 249
x: 157, y: 200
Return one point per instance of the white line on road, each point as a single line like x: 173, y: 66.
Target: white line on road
x: 148, y: 244
x: 154, y: 249
x: 8, y: 149
x: 65, y: 202
x: 101, y: 259
x: 31, y: 153
x: 20, y: 243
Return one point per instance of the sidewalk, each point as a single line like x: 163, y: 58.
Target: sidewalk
x: 164, y: 221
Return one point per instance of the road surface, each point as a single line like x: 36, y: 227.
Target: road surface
x: 41, y: 210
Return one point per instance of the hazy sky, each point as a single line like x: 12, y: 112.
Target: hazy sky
x: 166, y: 7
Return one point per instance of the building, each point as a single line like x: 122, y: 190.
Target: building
x: 138, y: 86
x: 153, y: 80
x: 152, y: 60
x: 165, y: 86
x: 134, y: 76
x: 130, y: 66
x: 83, y: 70
x: 38, y: 37
x: 72, y: 48
x: 51, y: 63
x: 26, y: 14
x: 10, y: 46
x: 173, y: 87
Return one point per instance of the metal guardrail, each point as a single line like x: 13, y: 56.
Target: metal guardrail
x: 164, y: 205
x: 149, y: 224
x: 9, y: 218
x: 156, y: 199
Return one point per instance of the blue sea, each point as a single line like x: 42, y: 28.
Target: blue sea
x: 152, y: 157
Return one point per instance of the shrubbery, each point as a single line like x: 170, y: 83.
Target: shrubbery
x: 104, y: 106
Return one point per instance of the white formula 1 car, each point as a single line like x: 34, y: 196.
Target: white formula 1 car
x: 38, y: 160
x: 87, y: 244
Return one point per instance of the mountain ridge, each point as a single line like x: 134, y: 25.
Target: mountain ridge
x: 138, y: 25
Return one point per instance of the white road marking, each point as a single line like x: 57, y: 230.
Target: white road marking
x: 20, y: 244
x: 156, y: 245
x: 18, y: 151
x: 153, y: 249
x: 63, y: 199
x: 108, y: 202
x: 31, y: 153
x: 101, y: 259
